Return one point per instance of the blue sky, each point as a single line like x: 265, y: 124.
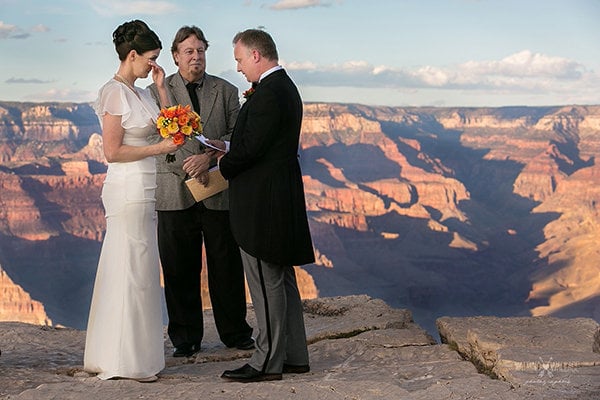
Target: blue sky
x: 472, y: 53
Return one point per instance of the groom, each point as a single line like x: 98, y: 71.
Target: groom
x: 267, y: 208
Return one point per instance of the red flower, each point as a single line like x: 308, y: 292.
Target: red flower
x: 248, y: 93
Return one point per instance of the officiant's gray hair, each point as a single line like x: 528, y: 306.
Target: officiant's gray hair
x: 259, y: 40
x: 185, y: 32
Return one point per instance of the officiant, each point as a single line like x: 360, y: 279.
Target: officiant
x: 184, y: 224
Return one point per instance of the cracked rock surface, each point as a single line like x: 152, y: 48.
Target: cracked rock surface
x: 360, y: 348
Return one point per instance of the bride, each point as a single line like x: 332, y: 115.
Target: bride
x: 125, y: 332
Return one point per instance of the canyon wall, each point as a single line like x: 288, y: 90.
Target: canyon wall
x: 17, y: 305
x: 446, y: 211
x: 457, y: 211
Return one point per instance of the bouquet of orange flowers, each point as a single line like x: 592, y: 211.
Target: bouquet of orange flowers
x: 179, y: 123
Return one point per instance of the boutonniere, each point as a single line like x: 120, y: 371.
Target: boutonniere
x: 248, y: 93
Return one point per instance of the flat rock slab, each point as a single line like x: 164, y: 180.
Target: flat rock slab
x: 554, y: 353
x: 346, y: 316
x: 360, y: 348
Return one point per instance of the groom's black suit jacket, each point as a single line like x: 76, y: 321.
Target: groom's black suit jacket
x: 266, y: 194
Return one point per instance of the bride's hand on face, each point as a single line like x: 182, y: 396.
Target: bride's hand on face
x: 158, y: 73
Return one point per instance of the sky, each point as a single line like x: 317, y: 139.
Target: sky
x: 442, y: 53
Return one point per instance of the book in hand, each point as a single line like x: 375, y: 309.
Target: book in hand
x: 216, y: 184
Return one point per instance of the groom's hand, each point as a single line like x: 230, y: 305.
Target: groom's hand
x: 196, y: 165
x: 217, y: 143
x: 203, y: 179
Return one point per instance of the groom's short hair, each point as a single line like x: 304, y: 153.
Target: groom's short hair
x: 259, y: 40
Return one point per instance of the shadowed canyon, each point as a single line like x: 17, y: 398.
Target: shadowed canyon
x: 443, y: 211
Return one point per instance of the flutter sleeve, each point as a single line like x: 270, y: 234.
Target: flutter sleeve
x: 112, y: 100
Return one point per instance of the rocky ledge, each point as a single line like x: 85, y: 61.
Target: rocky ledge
x: 360, y: 348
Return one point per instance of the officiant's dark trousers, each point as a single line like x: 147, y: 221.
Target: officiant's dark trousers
x: 180, y: 237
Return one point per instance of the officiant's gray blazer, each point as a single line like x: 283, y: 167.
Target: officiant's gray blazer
x: 219, y: 107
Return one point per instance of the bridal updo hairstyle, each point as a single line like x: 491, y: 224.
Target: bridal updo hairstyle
x: 135, y: 35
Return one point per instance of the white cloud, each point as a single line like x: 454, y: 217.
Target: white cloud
x: 432, y: 76
x: 297, y: 4
x: 6, y: 30
x: 120, y: 7
x: 23, y: 80
x: 304, y: 65
x: 76, y: 96
x: 527, y: 64
x: 521, y: 72
x: 355, y: 66
x: 40, y: 28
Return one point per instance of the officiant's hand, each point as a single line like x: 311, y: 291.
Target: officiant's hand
x: 196, y: 165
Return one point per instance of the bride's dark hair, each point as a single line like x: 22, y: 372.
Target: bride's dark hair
x: 134, y: 35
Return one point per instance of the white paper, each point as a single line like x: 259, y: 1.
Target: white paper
x: 203, y: 139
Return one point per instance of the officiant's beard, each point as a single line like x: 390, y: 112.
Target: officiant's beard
x: 197, y: 70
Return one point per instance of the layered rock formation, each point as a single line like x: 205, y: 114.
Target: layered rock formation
x: 16, y: 305
x: 446, y: 211
x: 423, y: 200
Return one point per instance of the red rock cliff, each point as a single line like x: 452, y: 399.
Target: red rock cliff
x: 441, y: 210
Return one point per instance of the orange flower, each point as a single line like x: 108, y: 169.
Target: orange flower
x: 183, y: 119
x: 178, y: 138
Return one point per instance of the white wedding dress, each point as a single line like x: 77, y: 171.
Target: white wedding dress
x: 125, y: 331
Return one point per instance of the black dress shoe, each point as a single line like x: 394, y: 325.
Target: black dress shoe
x: 246, y: 344
x: 249, y: 374
x: 295, y: 369
x: 186, y: 350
